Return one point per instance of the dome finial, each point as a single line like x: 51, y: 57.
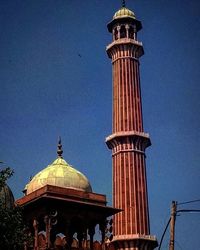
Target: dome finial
x: 123, y: 3
x: 59, y: 151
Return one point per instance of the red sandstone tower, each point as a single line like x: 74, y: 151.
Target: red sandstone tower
x: 128, y: 140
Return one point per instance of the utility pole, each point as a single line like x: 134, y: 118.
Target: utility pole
x: 172, y: 220
x: 172, y: 224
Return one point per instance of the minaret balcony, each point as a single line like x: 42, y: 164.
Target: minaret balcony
x: 139, y: 141
x: 125, y: 41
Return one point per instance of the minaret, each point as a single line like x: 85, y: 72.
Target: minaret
x: 128, y: 140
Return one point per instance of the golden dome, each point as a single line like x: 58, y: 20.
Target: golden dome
x: 59, y: 174
x: 124, y: 12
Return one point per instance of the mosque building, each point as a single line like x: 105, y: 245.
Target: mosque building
x: 61, y: 209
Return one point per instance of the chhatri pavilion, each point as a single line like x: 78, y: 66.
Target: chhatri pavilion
x: 61, y: 210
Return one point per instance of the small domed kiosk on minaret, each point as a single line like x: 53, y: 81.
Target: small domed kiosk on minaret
x: 128, y: 140
x: 59, y: 204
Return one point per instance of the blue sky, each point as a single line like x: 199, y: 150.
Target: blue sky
x: 55, y: 79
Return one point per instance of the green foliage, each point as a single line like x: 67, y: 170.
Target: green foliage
x: 13, y: 232
x: 4, y: 175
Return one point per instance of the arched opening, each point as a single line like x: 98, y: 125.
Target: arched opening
x: 131, y: 32
x: 122, y: 32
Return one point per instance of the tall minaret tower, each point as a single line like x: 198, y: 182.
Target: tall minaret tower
x: 128, y: 140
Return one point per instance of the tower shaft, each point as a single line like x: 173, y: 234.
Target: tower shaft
x: 129, y: 173
x: 127, y: 109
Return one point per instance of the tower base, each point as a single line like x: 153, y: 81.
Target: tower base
x: 134, y: 242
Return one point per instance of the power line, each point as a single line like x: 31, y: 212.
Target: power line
x: 188, y: 210
x: 187, y: 202
x: 164, y: 233
x: 176, y: 214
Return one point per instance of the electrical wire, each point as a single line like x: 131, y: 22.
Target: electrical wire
x: 182, y: 210
x: 187, y: 202
x: 164, y: 233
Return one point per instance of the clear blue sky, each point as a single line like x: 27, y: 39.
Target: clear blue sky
x: 55, y: 79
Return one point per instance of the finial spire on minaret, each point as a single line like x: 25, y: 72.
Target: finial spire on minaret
x: 123, y: 3
x: 59, y: 151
